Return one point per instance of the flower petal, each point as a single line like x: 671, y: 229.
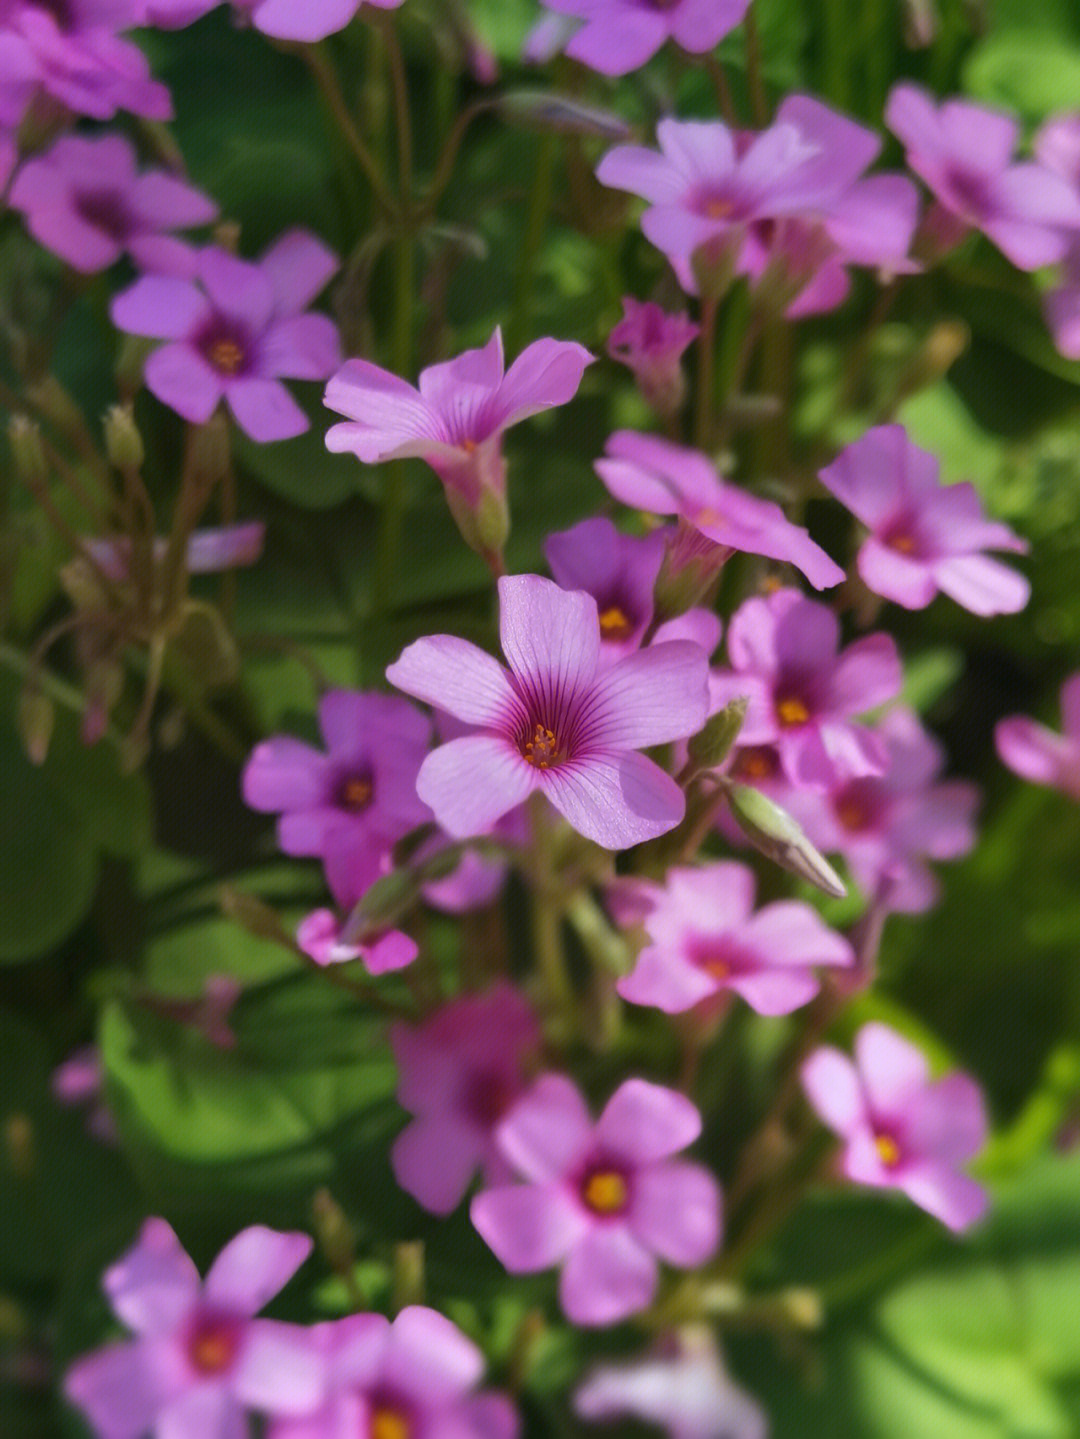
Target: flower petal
x: 529, y: 1227
x: 953, y: 1198
x: 832, y: 1086
x: 253, y: 1267
x: 675, y: 1212
x: 283, y: 773
x: 472, y: 782
x: 983, y: 585
x: 607, y: 1276
x: 644, y: 1122
x: 430, y: 1358
x: 548, y: 1130
x: 160, y: 307
x: 618, y: 800
x: 117, y: 1390
x: 545, y: 374
x: 207, y: 1411
x: 459, y: 677
x: 180, y: 378
x: 297, y: 265
x: 264, y: 409
x: 893, y: 1071
x: 434, y: 1158
x: 281, y: 1369
x: 154, y: 1285
x: 647, y: 698
x: 551, y: 640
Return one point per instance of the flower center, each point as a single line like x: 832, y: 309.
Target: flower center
x: 754, y: 763
x: 708, y: 516
x: 468, y: 445
x: 717, y: 207
x: 104, y: 209
x: 851, y: 814
x: 387, y: 1423
x: 489, y: 1096
x: 614, y: 623
x: 888, y: 1149
x: 213, y: 1345
x: 903, y: 542
x: 605, y: 1191
x: 542, y: 750
x: 226, y: 355
x: 355, y: 793
x: 792, y: 711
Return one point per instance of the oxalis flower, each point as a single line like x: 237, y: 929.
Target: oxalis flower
x: 902, y: 1130
x: 304, y: 20
x: 605, y: 1200
x: 621, y: 35
x: 1039, y: 754
x: 924, y: 536
x: 199, y: 1360
x: 560, y: 721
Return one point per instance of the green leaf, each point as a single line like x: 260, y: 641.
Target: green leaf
x: 1033, y: 71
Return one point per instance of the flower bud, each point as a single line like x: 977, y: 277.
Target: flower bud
x: 335, y: 1235
x: 37, y: 716
x: 380, y: 906
x: 540, y: 110
x: 27, y: 451
x: 710, y: 747
x: 123, y: 443
x: 773, y: 831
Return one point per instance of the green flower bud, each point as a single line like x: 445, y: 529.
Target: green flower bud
x: 773, y: 831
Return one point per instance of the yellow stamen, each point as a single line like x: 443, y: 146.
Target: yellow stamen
x: 708, y: 516
x: 212, y: 1350
x: 888, y: 1149
x: 226, y: 356
x: 718, y: 208
x: 614, y: 624
x: 356, y: 792
x: 542, y: 750
x: 605, y: 1191
x: 792, y: 712
x: 904, y: 543
x: 851, y: 815
x: 389, y: 1424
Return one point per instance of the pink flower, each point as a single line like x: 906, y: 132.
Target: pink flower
x: 924, y: 536
x: 559, y: 722
x: 1037, y: 753
x: 456, y: 418
x: 681, y: 1386
x: 650, y: 342
x: 207, y: 551
x: 414, y: 1378
x: 198, y: 1359
x: 235, y: 332
x: 74, y: 53
x: 802, y: 692
x: 460, y: 1072
x: 901, y: 1129
x: 666, y: 479
x: 319, y: 936
x: 604, y: 1200
x: 85, y: 201
x: 1057, y: 146
x: 80, y: 1082
x: 706, y: 937
x: 351, y: 805
x: 304, y: 20
x: 886, y: 826
x: 964, y: 154
x: 622, y: 35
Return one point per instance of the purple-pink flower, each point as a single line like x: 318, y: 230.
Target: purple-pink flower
x: 198, y: 1359
x: 319, y: 935
x: 1041, y: 755
x: 901, y: 1129
x: 561, y: 722
x: 716, y: 518
x: 461, y: 1070
x: 605, y: 1200
x: 622, y: 35
x: 207, y: 551
x: 707, y: 937
x: 80, y: 1082
x: 803, y: 690
x: 350, y: 805
x: 886, y: 826
x: 924, y: 536
x: 681, y: 1386
x: 235, y: 331
x: 1057, y: 146
x: 650, y: 341
x: 303, y: 20
x: 964, y: 153
x: 415, y: 1378
x: 85, y: 200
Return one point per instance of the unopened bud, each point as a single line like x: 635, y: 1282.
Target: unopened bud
x: 539, y: 110
x: 944, y: 345
x: 380, y: 907
x: 253, y: 915
x: 335, y: 1235
x: 134, y: 352
x: 20, y: 1146
x: 773, y: 831
x: 203, y: 641
x: 492, y: 522
x: 408, y: 1281
x: 207, y: 460
x: 27, y: 451
x: 711, y: 746
x: 714, y: 263
x: 36, y: 718
x: 123, y: 443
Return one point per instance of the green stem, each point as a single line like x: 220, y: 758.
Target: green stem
x: 705, y: 400
x: 547, y: 915
x: 322, y: 70
x: 535, y: 226
x: 759, y: 104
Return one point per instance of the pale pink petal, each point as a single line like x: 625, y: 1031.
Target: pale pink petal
x: 645, y: 1122
x: 238, y: 288
x: 434, y: 1158
x: 867, y: 674
x: 1033, y: 751
x: 891, y: 1068
x: 832, y: 1086
x: 117, y: 1389
x: 298, y: 266
x: 225, y: 547
x: 472, y: 782
x: 618, y: 800
x: 775, y: 991
x: 675, y: 1212
x: 253, y: 1267
x: 300, y: 347
x: 550, y: 637
x: 953, y: 1198
x: 280, y: 1369
x: 608, y: 1276
x: 458, y: 677
x: 898, y: 577
x: 529, y: 1227
x: 983, y: 585
x: 154, y: 1285
x: 949, y: 1123
x: 548, y: 1130
x: 389, y: 415
x: 647, y: 698
x: 643, y: 172
x: 283, y: 773
x: 666, y: 981
x: 545, y: 374
x: 615, y: 45
x: 207, y: 1411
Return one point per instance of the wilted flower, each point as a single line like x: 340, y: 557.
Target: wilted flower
x: 303, y: 20
x: 650, y: 341
x: 621, y: 35
x: 85, y: 201
x: 319, y: 935
x: 199, y: 1359
x: 460, y: 1072
x: 236, y: 333
x: 414, y: 1378
x: 706, y: 937
x: 1040, y: 755
x: 351, y: 805
x: 924, y: 536
x: 604, y: 1200
x: 559, y: 722
x: 902, y: 1130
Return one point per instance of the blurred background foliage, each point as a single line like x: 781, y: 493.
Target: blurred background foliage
x: 110, y: 883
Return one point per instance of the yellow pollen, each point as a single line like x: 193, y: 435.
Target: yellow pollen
x: 888, y: 1149
x: 753, y: 764
x: 389, y: 1424
x: 717, y: 968
x: 356, y: 793
x: 226, y: 356
x: 708, y: 516
x: 212, y: 1350
x: 468, y: 446
x: 850, y: 815
x: 605, y: 1191
x: 718, y: 208
x: 542, y: 750
x: 614, y: 624
x: 792, y: 712
x: 904, y: 543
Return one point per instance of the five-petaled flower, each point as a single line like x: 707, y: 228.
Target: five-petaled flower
x: 621, y: 35
x: 560, y: 722
x: 304, y: 20
x: 1038, y: 753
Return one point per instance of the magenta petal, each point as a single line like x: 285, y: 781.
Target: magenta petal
x: 647, y: 698
x: 298, y: 266
x: 160, y: 307
x: 206, y: 1411
x: 545, y: 374
x: 434, y: 1158
x: 391, y: 951
x: 643, y: 172
x: 225, y: 547
x: 775, y: 991
x: 285, y: 774
x: 117, y: 1390
x: 548, y: 1130
x: 237, y: 288
x: 308, y: 22
x: 300, y: 347
x: 529, y: 1227
x: 350, y: 719
x: 832, y: 1085
x: 867, y: 674
x: 982, y: 585
x: 430, y: 1358
x: 949, y: 1123
x: 618, y: 44
x: 891, y: 1067
x: 1033, y: 751
x: 472, y: 782
x: 675, y: 1212
x: 550, y: 636
x: 953, y: 1198
x: 389, y: 415
x: 618, y: 800
x: 607, y: 1277
x: 253, y: 1267
x: 154, y: 1285
x: 265, y: 410
x: 645, y: 1122
x: 166, y: 202
x: 180, y: 378
x: 280, y: 1370
x: 901, y: 578
x: 458, y: 677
